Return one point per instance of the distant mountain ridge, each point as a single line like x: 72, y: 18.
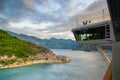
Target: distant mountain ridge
x: 52, y: 43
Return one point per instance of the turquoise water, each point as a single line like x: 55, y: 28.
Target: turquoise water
x: 84, y: 66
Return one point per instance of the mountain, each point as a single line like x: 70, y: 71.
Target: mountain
x: 10, y: 45
x: 52, y: 43
x: 15, y: 52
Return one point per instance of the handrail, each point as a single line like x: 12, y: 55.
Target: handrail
x: 103, y: 54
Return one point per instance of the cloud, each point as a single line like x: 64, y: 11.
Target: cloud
x: 96, y: 5
x: 29, y: 25
x: 48, y: 18
x: 93, y: 12
x: 29, y: 4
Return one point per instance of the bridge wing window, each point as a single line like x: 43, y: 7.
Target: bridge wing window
x: 95, y: 33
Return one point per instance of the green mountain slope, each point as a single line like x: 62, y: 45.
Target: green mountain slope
x: 10, y: 45
x: 15, y: 52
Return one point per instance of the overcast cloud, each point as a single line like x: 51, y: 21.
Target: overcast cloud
x: 49, y: 18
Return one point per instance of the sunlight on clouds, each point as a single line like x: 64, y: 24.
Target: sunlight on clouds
x: 28, y: 24
x: 65, y: 35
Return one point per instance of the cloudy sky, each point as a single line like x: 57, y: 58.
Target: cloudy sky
x: 49, y: 18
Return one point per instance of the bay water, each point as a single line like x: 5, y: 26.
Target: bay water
x: 83, y: 66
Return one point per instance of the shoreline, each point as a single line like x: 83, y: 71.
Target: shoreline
x: 27, y: 63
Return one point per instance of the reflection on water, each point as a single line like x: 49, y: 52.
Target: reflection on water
x: 84, y: 66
